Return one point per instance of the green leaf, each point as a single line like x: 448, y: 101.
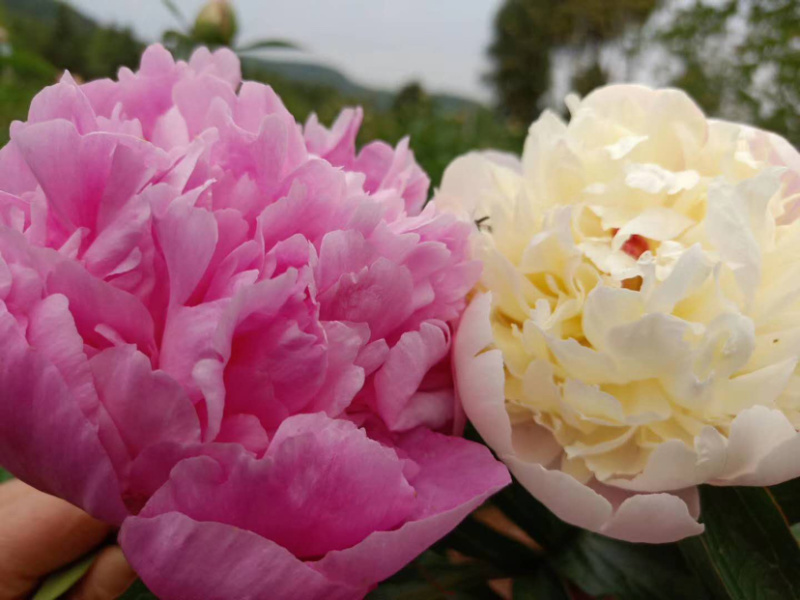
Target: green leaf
x: 433, y: 577
x: 138, y: 591
x: 59, y: 583
x: 601, y: 566
x: 544, y: 585
x: 787, y: 496
x: 748, y: 551
x: 5, y: 475
x: 266, y: 44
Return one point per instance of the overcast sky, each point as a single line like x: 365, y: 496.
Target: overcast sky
x: 383, y: 43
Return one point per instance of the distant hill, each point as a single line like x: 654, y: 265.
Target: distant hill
x: 298, y: 71
x: 316, y: 74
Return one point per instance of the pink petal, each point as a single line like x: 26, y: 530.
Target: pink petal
x: 337, y: 146
x: 328, y: 486
x: 45, y: 439
x: 245, y: 430
x: 93, y: 302
x: 52, y: 332
x: 454, y: 477
x: 344, y: 378
x: 180, y: 558
x: 195, y: 97
x: 397, y: 383
x: 15, y: 175
x: 65, y: 100
x: 379, y: 295
x: 222, y: 63
x: 148, y: 406
x: 188, y: 237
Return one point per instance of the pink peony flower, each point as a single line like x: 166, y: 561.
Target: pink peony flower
x: 231, y: 335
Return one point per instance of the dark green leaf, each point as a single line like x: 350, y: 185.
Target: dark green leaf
x: 434, y: 577
x: 601, y: 566
x: 531, y: 515
x: 475, y: 539
x: 57, y: 584
x: 266, y: 44
x: 544, y: 585
x: 748, y: 551
x: 788, y: 497
x: 5, y: 475
x: 138, y: 591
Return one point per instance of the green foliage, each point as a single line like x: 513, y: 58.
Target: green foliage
x: 64, y: 39
x: 748, y: 551
x: 527, y: 33
x: 741, y: 60
x: 14, y: 102
x: 601, y: 566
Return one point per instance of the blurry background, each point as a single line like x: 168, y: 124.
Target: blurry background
x: 454, y: 74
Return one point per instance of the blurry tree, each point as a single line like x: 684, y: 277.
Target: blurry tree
x: 412, y: 101
x: 108, y: 49
x: 528, y: 33
x: 741, y: 60
x: 588, y: 78
x: 65, y: 39
x: 65, y: 48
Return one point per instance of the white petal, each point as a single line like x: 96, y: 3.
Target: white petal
x: 658, y: 224
x: 654, y: 179
x: 479, y: 375
x: 755, y: 434
x: 689, y: 272
x: 624, y: 146
x: 654, y: 519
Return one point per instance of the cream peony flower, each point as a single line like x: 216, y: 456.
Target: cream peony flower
x: 637, y: 326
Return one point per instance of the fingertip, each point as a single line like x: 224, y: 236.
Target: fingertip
x: 107, y: 579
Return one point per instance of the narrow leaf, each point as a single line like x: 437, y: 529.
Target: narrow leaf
x: 59, y: 583
x: 173, y: 8
x: 748, y: 550
x: 266, y: 44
